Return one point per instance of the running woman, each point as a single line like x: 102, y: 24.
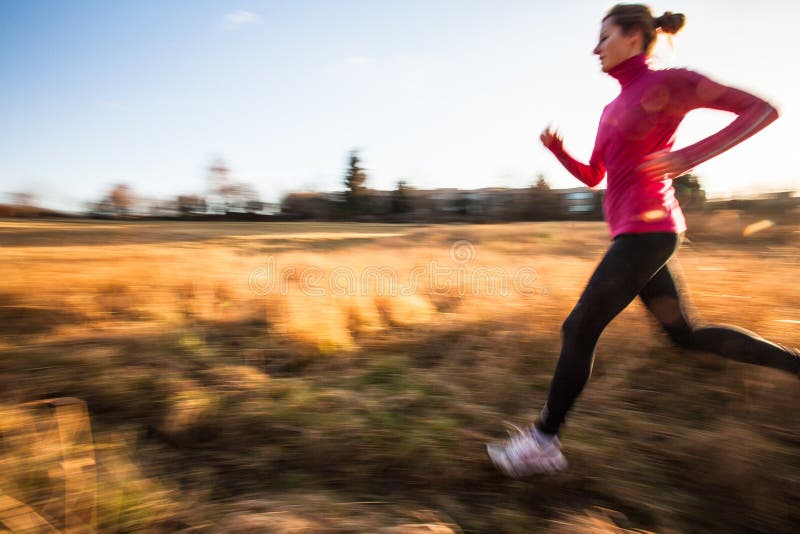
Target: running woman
x: 633, y: 148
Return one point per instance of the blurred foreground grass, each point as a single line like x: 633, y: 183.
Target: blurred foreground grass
x: 310, y: 377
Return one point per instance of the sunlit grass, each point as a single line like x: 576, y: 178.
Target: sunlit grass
x: 359, y: 389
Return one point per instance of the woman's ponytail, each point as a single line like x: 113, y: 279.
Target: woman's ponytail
x: 670, y: 22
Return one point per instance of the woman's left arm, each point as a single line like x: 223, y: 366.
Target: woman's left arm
x: 753, y: 115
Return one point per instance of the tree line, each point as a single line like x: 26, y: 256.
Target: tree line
x: 227, y: 196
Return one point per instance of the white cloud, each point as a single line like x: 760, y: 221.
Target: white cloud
x: 240, y: 17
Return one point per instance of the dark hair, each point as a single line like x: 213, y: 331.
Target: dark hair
x: 632, y: 17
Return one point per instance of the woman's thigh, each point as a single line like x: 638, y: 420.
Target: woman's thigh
x: 627, y: 267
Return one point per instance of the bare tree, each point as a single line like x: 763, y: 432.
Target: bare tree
x: 218, y: 184
x: 23, y: 198
x: 121, y: 199
x: 117, y: 202
x: 242, y: 198
x: 234, y: 196
x: 191, y: 205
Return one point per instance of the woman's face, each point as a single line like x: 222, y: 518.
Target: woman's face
x: 614, y: 46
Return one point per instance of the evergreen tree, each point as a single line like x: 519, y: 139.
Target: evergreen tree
x: 401, y: 203
x: 541, y: 184
x: 544, y: 202
x: 354, y: 180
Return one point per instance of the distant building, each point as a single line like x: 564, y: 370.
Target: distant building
x: 579, y: 200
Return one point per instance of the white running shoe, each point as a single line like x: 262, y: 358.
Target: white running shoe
x: 528, y: 452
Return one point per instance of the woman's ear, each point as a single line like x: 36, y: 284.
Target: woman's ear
x: 636, y: 41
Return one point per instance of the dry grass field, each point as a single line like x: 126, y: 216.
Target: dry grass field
x: 343, y: 377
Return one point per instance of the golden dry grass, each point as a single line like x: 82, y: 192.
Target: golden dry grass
x: 356, y: 391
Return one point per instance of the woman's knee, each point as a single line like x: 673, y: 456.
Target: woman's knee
x: 667, y: 311
x: 670, y: 315
x: 574, y: 323
x: 581, y: 327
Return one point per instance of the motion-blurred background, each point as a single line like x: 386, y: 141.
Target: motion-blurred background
x: 295, y: 263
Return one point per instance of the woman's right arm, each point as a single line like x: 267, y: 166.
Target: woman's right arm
x: 591, y: 174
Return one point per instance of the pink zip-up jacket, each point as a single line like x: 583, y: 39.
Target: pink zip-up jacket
x: 643, y: 119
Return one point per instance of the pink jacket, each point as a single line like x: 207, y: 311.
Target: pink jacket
x: 643, y: 119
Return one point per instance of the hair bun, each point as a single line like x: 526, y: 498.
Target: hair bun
x: 670, y: 22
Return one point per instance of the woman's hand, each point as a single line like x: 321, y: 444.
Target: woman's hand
x: 551, y: 137
x: 663, y: 165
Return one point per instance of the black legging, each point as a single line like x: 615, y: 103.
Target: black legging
x: 643, y: 265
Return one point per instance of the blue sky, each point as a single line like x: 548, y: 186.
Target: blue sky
x: 441, y: 93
